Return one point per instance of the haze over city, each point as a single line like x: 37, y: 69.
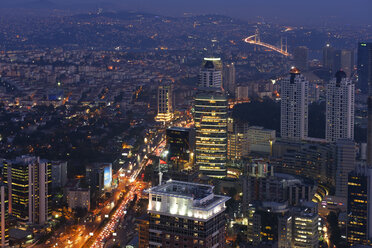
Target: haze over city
x: 285, y: 11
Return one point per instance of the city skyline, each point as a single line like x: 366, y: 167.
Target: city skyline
x: 291, y: 12
x: 162, y: 123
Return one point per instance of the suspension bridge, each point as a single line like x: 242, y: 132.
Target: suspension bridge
x: 256, y: 40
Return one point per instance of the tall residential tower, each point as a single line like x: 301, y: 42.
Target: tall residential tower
x: 294, y: 106
x: 340, y: 108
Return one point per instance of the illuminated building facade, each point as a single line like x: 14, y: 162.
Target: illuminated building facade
x: 260, y: 139
x: 143, y: 233
x: 260, y: 183
x: 294, y: 106
x: 29, y: 184
x: 180, y: 143
x: 78, y: 198
x: 237, y: 143
x: 210, y: 75
x: 340, y: 108
x: 285, y: 231
x: 165, y: 103
x: 4, y: 228
x: 315, y: 160
x: 277, y: 224
x: 305, y: 228
x: 186, y: 215
x: 263, y: 222
x: 211, y: 134
x: 359, y: 207
x: 235, y: 146
x: 99, y: 178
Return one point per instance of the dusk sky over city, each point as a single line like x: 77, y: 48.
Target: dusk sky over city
x: 306, y: 12
x: 186, y: 123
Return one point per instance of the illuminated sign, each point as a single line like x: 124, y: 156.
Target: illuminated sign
x: 107, y: 176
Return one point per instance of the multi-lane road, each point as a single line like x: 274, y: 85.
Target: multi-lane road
x: 100, y: 227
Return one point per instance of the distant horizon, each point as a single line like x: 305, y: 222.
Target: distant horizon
x: 287, y: 12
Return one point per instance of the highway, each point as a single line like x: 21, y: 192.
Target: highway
x: 100, y: 226
x: 136, y: 188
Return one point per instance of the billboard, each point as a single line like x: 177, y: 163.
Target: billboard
x: 107, y: 176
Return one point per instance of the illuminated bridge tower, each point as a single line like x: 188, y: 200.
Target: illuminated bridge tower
x: 186, y: 215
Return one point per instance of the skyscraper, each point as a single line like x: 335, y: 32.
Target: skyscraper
x: 367, y: 74
x: 364, y: 66
x: 59, y: 174
x: 210, y: 116
x: 300, y: 57
x: 369, y: 131
x: 165, y: 103
x: 29, y: 183
x: 345, y: 163
x: 294, y: 106
x: 347, y: 62
x: 186, y: 215
x: 211, y: 134
x: 359, y: 207
x: 180, y: 142
x: 228, y: 78
x: 340, y: 108
x: 210, y: 75
x: 343, y: 60
x: 4, y: 228
x: 328, y: 57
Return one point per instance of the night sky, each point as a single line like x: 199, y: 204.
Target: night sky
x: 289, y: 11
